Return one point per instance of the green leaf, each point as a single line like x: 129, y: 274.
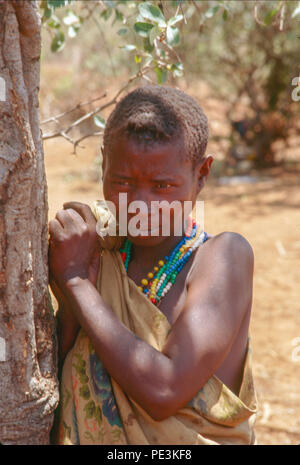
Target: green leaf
x: 174, y: 20
x: 118, y: 15
x: 99, y: 121
x: 211, y: 11
x: 54, y: 22
x: 59, y: 3
x: 47, y: 13
x: 70, y: 18
x: 173, y: 36
x: 153, y: 13
x: 58, y: 42
x: 123, y: 31
x: 269, y: 16
x: 161, y: 74
x: 177, y: 69
x: 56, y: 3
x: 106, y: 13
x: 72, y: 30
x: 155, y: 31
x: 225, y: 15
x: 148, y: 47
x: 143, y: 29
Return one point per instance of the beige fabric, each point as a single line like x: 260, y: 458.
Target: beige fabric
x: 95, y: 410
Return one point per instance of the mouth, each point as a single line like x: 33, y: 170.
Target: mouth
x: 149, y: 232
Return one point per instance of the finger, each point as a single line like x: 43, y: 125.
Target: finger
x: 75, y: 216
x: 83, y: 210
x: 67, y: 218
x: 55, y: 230
x: 62, y: 218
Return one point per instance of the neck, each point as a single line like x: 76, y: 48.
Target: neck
x: 148, y: 256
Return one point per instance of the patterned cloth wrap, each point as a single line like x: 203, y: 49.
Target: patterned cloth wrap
x: 95, y: 410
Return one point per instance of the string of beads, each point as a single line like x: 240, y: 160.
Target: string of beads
x: 159, y: 281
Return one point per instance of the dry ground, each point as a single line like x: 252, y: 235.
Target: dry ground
x: 267, y: 214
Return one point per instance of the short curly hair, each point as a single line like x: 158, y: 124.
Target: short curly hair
x: 161, y: 113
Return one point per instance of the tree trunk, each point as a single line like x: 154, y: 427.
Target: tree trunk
x: 28, y: 383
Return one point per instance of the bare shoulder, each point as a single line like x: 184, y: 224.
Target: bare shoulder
x: 229, y: 240
x: 227, y: 243
x: 225, y: 264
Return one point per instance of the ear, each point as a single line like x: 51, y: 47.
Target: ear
x: 103, y: 160
x: 203, y: 169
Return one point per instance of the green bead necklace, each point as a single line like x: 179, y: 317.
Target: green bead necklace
x: 164, y: 275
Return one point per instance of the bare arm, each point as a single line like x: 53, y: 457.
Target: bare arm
x: 199, y: 340
x: 67, y: 324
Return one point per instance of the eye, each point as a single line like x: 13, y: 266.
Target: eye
x: 122, y: 182
x: 163, y: 185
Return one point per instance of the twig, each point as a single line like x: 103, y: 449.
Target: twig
x: 256, y: 7
x: 282, y: 16
x: 79, y: 105
x: 177, y: 10
x: 196, y: 6
x: 75, y: 123
x: 91, y: 11
x: 106, y: 46
x: 171, y: 49
x: 180, y: 4
x: 64, y: 132
x: 91, y: 134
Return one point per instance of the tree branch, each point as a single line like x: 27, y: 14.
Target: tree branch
x: 64, y: 132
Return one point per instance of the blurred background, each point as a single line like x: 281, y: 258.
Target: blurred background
x: 239, y: 63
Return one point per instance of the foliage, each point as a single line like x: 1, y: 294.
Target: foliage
x: 250, y: 66
x: 258, y: 37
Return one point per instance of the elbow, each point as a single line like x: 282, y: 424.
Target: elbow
x: 162, y: 409
x: 160, y: 416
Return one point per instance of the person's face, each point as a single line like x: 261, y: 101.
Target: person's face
x: 157, y: 173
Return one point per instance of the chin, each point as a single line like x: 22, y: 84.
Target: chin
x: 147, y: 241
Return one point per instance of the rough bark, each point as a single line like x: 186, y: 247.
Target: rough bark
x: 28, y: 384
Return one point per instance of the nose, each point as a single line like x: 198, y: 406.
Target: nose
x: 141, y: 198
x: 140, y: 203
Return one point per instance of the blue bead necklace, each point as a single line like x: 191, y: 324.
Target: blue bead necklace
x: 159, y: 282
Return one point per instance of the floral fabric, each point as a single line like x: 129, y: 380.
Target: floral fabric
x: 95, y: 410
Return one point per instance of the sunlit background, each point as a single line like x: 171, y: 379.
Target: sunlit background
x: 239, y: 65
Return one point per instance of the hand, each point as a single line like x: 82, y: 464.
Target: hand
x: 58, y: 294
x: 74, y: 246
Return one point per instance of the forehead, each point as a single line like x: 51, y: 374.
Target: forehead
x: 126, y: 155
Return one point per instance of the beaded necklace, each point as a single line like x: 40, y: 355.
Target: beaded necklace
x: 164, y: 274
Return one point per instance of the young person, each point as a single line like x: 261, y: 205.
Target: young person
x: 153, y: 329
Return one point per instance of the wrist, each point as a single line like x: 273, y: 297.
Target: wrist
x: 72, y: 276
x: 75, y: 281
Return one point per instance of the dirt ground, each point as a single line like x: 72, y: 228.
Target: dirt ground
x: 267, y: 213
